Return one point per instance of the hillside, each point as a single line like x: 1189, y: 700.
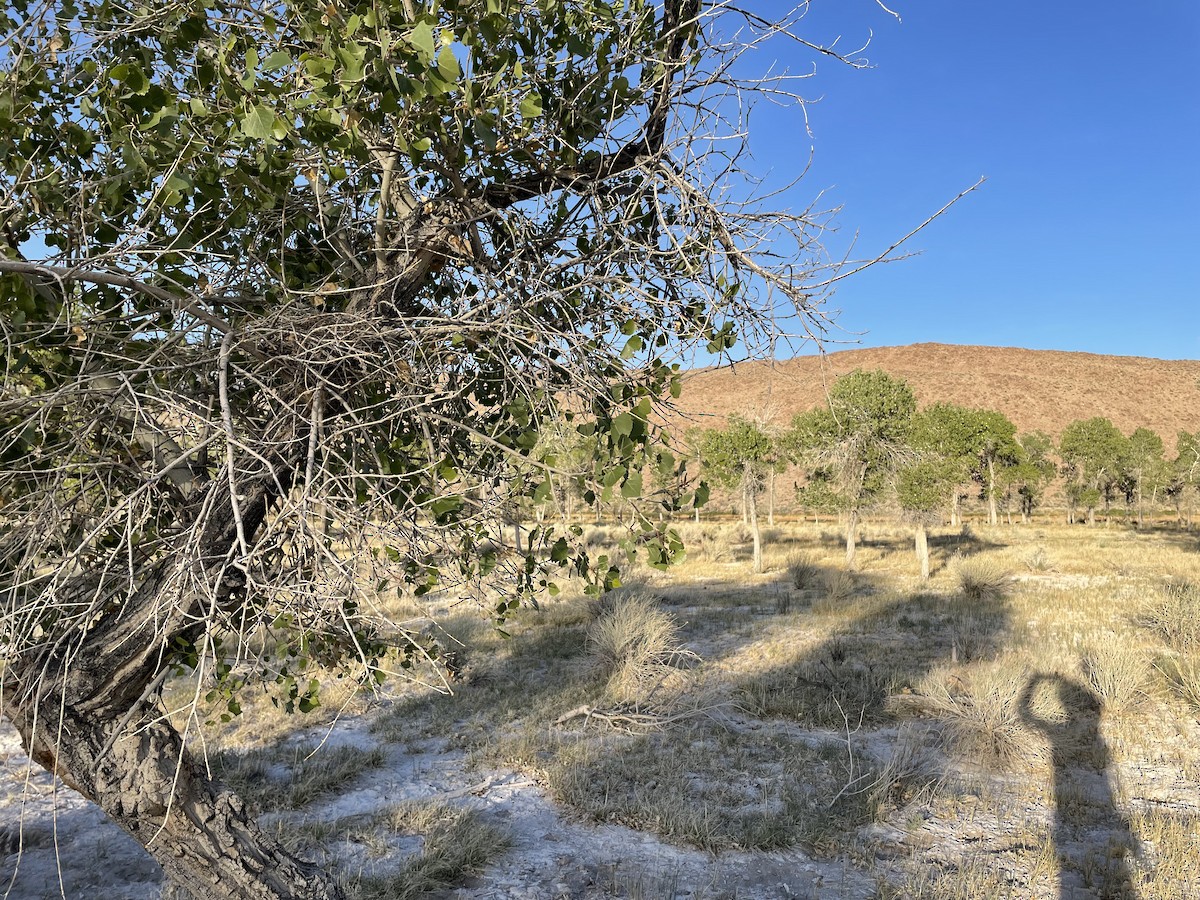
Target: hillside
x: 1036, y: 389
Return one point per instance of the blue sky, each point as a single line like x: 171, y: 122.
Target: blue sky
x: 1085, y: 120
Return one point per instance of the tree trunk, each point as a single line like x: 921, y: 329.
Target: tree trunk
x: 851, y: 538
x: 751, y: 496
x: 745, y: 506
x: 992, y: 517
x: 771, y: 499
x: 87, y: 712
x: 921, y: 544
x: 137, y: 770
x: 955, y: 500
x: 1091, y: 515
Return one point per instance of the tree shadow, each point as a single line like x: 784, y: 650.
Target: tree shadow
x: 1093, y: 839
x: 878, y: 647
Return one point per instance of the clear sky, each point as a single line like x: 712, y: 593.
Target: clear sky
x: 1085, y: 119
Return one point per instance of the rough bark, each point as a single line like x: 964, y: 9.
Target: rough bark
x: 89, y: 713
x: 993, y: 519
x: 139, y: 772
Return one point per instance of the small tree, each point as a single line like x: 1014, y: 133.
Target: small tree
x: 1185, y: 475
x: 1034, y: 470
x: 950, y: 433
x: 740, y: 455
x: 857, y: 441
x: 1143, y: 469
x: 998, y: 453
x: 921, y: 490
x: 1091, y: 451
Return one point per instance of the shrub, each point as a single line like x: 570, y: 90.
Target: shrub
x: 981, y: 580
x: 1116, y: 672
x: 840, y: 585
x: 1175, y: 615
x: 632, y: 643
x: 803, y: 571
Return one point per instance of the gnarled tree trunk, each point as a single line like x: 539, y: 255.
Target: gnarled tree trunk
x: 139, y: 772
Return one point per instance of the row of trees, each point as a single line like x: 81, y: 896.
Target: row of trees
x: 870, y: 445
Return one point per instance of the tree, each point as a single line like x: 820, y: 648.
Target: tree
x: 268, y: 267
x: 998, y: 451
x: 858, y: 440
x: 742, y: 454
x: 921, y: 490
x: 1143, y: 469
x: 1185, y: 474
x: 1091, y: 451
x: 1034, y: 471
x: 951, y: 433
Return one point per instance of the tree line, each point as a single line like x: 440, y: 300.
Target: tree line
x: 870, y: 446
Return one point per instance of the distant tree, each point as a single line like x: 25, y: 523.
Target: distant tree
x: 998, y: 452
x: 740, y: 455
x: 921, y: 491
x: 1034, y: 471
x: 1091, y: 451
x: 858, y: 441
x: 1143, y: 469
x: 949, y: 432
x: 1184, y: 482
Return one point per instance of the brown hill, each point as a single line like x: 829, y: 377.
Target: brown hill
x: 1036, y: 389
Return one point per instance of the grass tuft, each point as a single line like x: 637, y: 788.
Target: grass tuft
x: 803, y: 571
x: 981, y: 580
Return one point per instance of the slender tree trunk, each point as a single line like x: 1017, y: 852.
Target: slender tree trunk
x: 955, y: 518
x: 851, y: 537
x: 993, y: 519
x: 752, y: 505
x: 745, y: 505
x: 771, y: 498
x: 921, y: 545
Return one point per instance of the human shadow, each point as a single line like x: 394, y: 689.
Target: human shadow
x: 1092, y: 838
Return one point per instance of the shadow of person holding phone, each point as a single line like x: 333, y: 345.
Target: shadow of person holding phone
x: 1092, y: 838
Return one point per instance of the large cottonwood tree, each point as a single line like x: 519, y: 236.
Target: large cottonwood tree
x: 285, y: 291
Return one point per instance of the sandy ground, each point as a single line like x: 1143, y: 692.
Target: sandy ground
x: 56, y: 844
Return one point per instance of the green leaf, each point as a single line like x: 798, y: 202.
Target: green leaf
x: 632, y: 346
x: 259, y: 122
x: 421, y: 39
x: 276, y: 61
x: 531, y: 106
x: 622, y: 425
x: 448, y: 65
x: 632, y: 486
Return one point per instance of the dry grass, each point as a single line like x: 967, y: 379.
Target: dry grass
x: 803, y: 571
x: 981, y: 579
x: 872, y: 704
x: 634, y: 646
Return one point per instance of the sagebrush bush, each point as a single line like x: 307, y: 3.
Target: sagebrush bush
x: 981, y: 718
x: 1181, y: 674
x: 840, y: 585
x: 981, y: 580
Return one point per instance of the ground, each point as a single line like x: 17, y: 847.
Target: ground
x: 1023, y: 725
